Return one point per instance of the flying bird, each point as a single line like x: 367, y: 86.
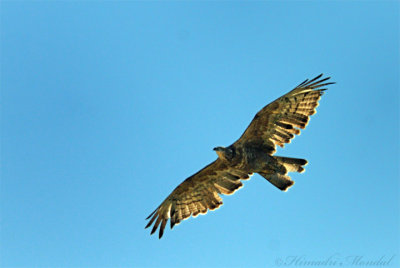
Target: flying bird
x: 275, y: 124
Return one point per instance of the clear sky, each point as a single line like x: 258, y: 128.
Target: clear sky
x: 106, y: 107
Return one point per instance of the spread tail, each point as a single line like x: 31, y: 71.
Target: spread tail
x: 277, y: 175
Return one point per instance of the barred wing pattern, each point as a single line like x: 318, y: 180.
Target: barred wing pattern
x: 279, y: 121
x: 197, y: 194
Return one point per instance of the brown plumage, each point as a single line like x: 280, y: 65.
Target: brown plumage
x: 275, y: 124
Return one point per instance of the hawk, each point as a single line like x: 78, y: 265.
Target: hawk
x: 275, y: 124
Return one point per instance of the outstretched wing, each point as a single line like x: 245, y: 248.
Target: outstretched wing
x: 279, y: 121
x: 197, y: 194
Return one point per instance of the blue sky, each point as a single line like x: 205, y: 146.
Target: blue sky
x: 106, y: 107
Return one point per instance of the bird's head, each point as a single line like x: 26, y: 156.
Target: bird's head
x: 224, y: 153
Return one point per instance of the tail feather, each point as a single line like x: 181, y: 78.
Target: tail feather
x: 282, y: 182
x: 276, y: 174
x: 292, y: 164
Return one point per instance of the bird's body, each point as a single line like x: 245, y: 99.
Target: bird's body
x: 253, y: 152
x: 247, y: 157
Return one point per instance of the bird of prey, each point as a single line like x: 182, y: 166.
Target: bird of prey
x: 253, y: 152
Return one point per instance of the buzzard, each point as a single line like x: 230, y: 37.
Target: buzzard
x: 253, y: 152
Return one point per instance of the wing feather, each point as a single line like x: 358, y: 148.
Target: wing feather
x: 196, y: 195
x: 227, y: 186
x: 278, y: 122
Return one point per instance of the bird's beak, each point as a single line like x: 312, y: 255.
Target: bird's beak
x: 215, y: 148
